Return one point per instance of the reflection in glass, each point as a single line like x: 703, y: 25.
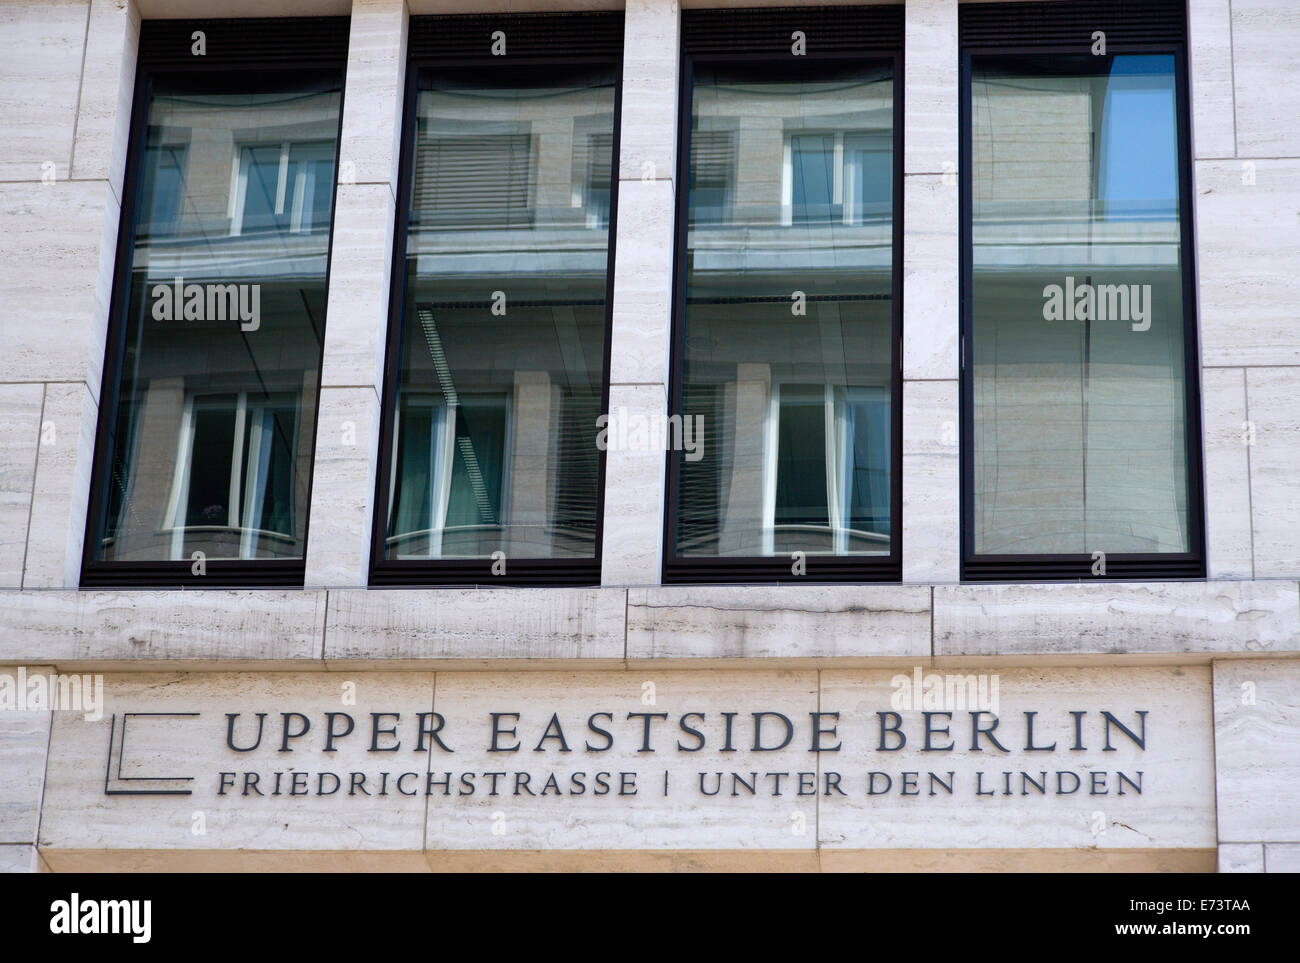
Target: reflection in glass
x: 503, y: 340
x: 1077, y: 311
x: 212, y: 437
x: 788, y: 318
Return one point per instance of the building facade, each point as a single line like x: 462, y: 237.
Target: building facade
x: 447, y: 435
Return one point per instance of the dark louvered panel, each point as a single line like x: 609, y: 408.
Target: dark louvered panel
x: 769, y: 30
x: 700, y: 496
x: 821, y: 569
x: 528, y: 36
x: 274, y: 41
x: 532, y: 572
x: 577, y: 468
x: 1062, y: 23
x: 1031, y: 569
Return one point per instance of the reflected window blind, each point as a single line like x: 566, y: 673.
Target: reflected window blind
x: 700, y: 500
x: 713, y: 162
x: 600, y: 149
x: 713, y: 155
x: 479, y: 181
x: 578, y: 461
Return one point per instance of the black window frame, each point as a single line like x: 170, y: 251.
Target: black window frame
x: 1066, y: 27
x: 834, y: 36
x: 450, y: 45
x: 246, y: 49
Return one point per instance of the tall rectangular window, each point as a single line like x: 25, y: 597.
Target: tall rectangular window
x: 1079, y: 372
x: 788, y: 319
x: 497, y: 357
x: 203, y: 457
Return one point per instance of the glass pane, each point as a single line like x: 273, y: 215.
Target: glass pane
x: 1077, y: 314
x: 503, y: 341
x: 868, y: 170
x: 212, y: 436
x: 813, y: 162
x: 310, y: 186
x: 789, y: 315
x: 863, y: 441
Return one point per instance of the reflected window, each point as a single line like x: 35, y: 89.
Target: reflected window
x: 789, y: 323
x: 210, y: 392
x: 1079, y: 333
x: 452, y: 470
x: 830, y: 479
x: 841, y: 176
x: 234, y: 472
x: 283, y: 188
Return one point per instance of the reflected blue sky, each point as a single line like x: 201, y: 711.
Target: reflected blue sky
x: 1139, y: 169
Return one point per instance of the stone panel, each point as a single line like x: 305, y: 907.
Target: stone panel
x: 1116, y: 618
x: 991, y: 804
x: 1257, y: 750
x: 475, y: 624
x: 169, y: 748
x: 752, y: 622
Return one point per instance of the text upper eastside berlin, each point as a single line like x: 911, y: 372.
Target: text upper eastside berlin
x: 647, y: 738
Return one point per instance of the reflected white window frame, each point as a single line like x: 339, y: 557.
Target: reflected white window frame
x: 836, y: 400
x: 244, y: 502
x: 442, y: 456
x: 787, y: 170
x: 844, y: 170
x: 241, y: 160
